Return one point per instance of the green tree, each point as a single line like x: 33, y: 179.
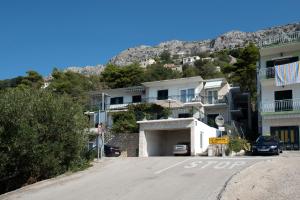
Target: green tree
x: 165, y: 57
x: 189, y: 71
x: 33, y: 80
x: 74, y: 84
x: 207, y: 69
x: 117, y: 77
x: 125, y: 122
x: 41, y: 135
x: 243, y: 72
x: 157, y: 72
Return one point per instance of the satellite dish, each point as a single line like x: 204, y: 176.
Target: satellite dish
x: 219, y: 120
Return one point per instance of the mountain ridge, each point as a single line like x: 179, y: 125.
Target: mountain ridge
x: 227, y: 40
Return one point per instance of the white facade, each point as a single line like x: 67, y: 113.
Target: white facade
x: 145, y: 63
x: 193, y: 121
x: 158, y: 137
x: 190, y: 60
x: 202, y: 99
x: 279, y: 107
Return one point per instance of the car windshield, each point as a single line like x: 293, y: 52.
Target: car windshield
x: 266, y: 140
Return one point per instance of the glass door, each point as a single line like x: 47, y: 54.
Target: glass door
x: 212, y: 96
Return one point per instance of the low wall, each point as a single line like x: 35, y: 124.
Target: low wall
x: 128, y: 143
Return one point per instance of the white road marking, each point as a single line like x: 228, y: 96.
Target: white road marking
x: 217, y: 162
x: 174, y: 165
x: 236, y: 164
x: 222, y: 165
x: 209, y: 163
x: 193, y: 164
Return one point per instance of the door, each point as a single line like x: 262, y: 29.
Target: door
x: 283, y: 100
x: 289, y: 135
x: 212, y: 96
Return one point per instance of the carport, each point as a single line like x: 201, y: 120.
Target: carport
x: 161, y: 142
x: 157, y: 137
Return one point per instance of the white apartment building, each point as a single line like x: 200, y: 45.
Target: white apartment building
x: 279, y: 101
x: 193, y: 121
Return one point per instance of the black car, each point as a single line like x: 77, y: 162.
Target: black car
x: 111, y: 151
x: 267, y: 145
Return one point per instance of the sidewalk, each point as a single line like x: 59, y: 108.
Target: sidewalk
x: 273, y: 179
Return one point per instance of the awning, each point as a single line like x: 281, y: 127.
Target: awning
x: 213, y: 84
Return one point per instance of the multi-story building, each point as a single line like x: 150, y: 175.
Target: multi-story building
x: 279, y: 88
x: 198, y: 102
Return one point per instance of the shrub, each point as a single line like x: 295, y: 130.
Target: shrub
x: 41, y: 136
x: 236, y: 144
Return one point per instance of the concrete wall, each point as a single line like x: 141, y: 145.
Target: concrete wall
x: 161, y: 143
x: 207, y: 132
x: 128, y: 143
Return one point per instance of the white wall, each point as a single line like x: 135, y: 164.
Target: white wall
x: 173, y: 90
x: 207, y: 132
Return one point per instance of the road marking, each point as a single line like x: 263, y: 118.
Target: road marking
x: 220, y: 164
x: 208, y: 163
x: 174, y: 165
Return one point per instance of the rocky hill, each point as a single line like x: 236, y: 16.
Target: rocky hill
x: 87, y: 70
x: 229, y: 40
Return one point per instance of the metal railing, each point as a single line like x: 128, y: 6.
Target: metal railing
x: 208, y: 100
x: 280, y: 39
x: 281, y: 105
x: 266, y: 73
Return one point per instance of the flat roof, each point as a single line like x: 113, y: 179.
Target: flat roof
x: 166, y: 120
x: 170, y: 81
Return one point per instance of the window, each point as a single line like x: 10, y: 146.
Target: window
x: 184, y: 115
x: 283, y: 100
x: 187, y: 95
x: 136, y: 99
x: 212, y: 96
x: 116, y: 100
x: 201, y: 139
x: 162, y: 94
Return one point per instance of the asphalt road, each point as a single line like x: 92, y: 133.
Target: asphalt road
x: 141, y: 178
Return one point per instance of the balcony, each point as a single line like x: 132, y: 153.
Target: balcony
x: 213, y: 100
x: 281, y: 106
x: 267, y: 73
x: 280, y: 39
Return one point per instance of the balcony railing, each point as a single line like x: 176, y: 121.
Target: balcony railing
x: 280, y: 39
x: 266, y: 73
x: 281, y: 105
x: 207, y: 100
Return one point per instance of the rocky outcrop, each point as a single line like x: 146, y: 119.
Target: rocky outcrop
x: 227, y: 40
x: 87, y: 70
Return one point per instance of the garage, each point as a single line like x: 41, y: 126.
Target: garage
x: 161, y: 142
x: 158, y: 137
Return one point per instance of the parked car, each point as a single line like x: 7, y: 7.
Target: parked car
x: 182, y: 148
x: 111, y: 151
x: 267, y: 145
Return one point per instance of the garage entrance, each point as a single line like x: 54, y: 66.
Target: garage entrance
x: 161, y: 142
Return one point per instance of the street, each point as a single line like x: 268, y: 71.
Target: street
x: 142, y: 178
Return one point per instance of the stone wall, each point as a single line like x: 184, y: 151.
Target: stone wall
x: 128, y: 143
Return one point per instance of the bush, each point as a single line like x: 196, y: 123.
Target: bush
x: 125, y: 122
x: 236, y: 144
x: 41, y: 136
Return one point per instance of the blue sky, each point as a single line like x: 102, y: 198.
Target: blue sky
x: 43, y: 34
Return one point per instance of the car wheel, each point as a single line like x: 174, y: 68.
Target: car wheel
x: 277, y: 152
